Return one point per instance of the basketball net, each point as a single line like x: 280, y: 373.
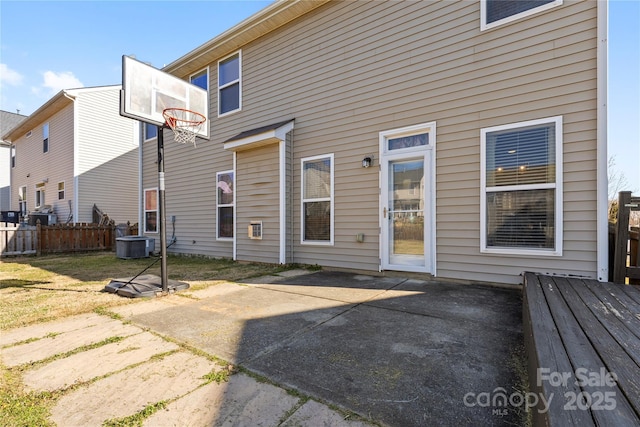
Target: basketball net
x: 185, y: 124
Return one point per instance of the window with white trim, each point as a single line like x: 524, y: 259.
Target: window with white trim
x: 45, y: 138
x: 317, y: 200
x: 497, y: 12
x: 150, y: 131
x: 22, y: 200
x: 521, y: 188
x: 201, y: 79
x: 61, y: 190
x: 230, y: 84
x: 40, y: 200
x: 225, y: 201
x: 13, y: 156
x: 151, y: 210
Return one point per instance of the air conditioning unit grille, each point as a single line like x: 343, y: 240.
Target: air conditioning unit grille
x: 255, y: 230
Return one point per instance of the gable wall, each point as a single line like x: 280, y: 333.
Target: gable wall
x: 349, y: 70
x: 107, y: 166
x: 33, y: 166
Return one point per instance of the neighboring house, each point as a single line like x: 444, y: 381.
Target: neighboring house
x: 7, y: 122
x: 484, y: 122
x: 76, y: 151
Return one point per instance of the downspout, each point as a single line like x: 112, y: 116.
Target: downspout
x: 76, y: 155
x: 137, y: 131
x: 602, y: 160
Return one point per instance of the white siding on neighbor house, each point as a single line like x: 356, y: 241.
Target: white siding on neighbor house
x: 107, y: 163
x: 5, y: 178
x: 34, y: 167
x: 349, y: 70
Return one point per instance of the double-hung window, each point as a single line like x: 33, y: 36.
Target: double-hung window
x: 150, y: 131
x: 22, y: 200
x: 497, y: 12
x: 200, y: 79
x: 225, y: 202
x: 40, y: 200
x: 151, y: 210
x: 521, y: 188
x: 317, y: 199
x: 45, y: 138
x: 61, y: 190
x: 230, y: 84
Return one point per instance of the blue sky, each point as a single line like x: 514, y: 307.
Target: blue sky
x: 46, y: 46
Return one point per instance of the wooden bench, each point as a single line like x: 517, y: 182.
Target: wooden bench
x: 582, y: 338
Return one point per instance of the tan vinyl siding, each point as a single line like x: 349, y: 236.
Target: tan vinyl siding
x: 107, y: 157
x: 257, y: 199
x: 349, y: 70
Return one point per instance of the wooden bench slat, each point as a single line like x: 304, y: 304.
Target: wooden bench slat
x: 608, y: 343
x: 581, y: 352
x: 615, y: 300
x: 544, y: 344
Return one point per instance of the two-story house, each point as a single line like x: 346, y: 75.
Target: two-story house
x: 73, y: 152
x: 465, y: 140
x: 8, y: 121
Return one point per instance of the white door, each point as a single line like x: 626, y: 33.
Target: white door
x: 407, y: 205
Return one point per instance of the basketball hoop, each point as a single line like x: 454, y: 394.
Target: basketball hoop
x: 184, y: 123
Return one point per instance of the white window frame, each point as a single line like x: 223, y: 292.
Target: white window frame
x: 22, y: 199
x: 146, y: 126
x: 145, y: 210
x: 225, y: 205
x: 61, y: 191
x: 46, y: 141
x: 13, y: 155
x: 238, y: 81
x: 487, y: 26
x: 557, y: 186
x: 40, y: 196
x: 198, y: 73
x: 330, y: 199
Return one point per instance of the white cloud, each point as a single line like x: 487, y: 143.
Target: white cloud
x: 58, y: 81
x: 9, y: 76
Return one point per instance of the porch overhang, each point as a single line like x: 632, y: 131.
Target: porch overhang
x: 258, y: 137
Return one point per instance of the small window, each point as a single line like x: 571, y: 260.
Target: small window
x: 45, y: 138
x: 317, y: 199
x: 497, y: 12
x: 201, y: 79
x: 225, y: 201
x: 40, y: 200
x: 150, y: 131
x: 151, y: 210
x: 13, y: 156
x: 22, y: 200
x: 61, y: 190
x: 522, y: 188
x: 229, y: 84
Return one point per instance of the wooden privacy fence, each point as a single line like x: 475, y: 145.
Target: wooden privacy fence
x: 626, y: 242
x: 20, y: 239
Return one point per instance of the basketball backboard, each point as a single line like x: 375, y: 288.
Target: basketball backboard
x: 147, y: 91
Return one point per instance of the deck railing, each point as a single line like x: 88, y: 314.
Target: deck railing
x: 626, y: 249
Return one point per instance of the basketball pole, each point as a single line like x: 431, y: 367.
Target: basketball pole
x: 162, y: 213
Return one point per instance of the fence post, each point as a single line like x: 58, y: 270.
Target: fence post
x: 622, y: 238
x: 38, y: 238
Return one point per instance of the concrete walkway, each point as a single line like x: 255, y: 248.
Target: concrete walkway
x: 320, y: 349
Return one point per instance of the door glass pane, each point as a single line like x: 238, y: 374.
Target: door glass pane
x: 407, y: 208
